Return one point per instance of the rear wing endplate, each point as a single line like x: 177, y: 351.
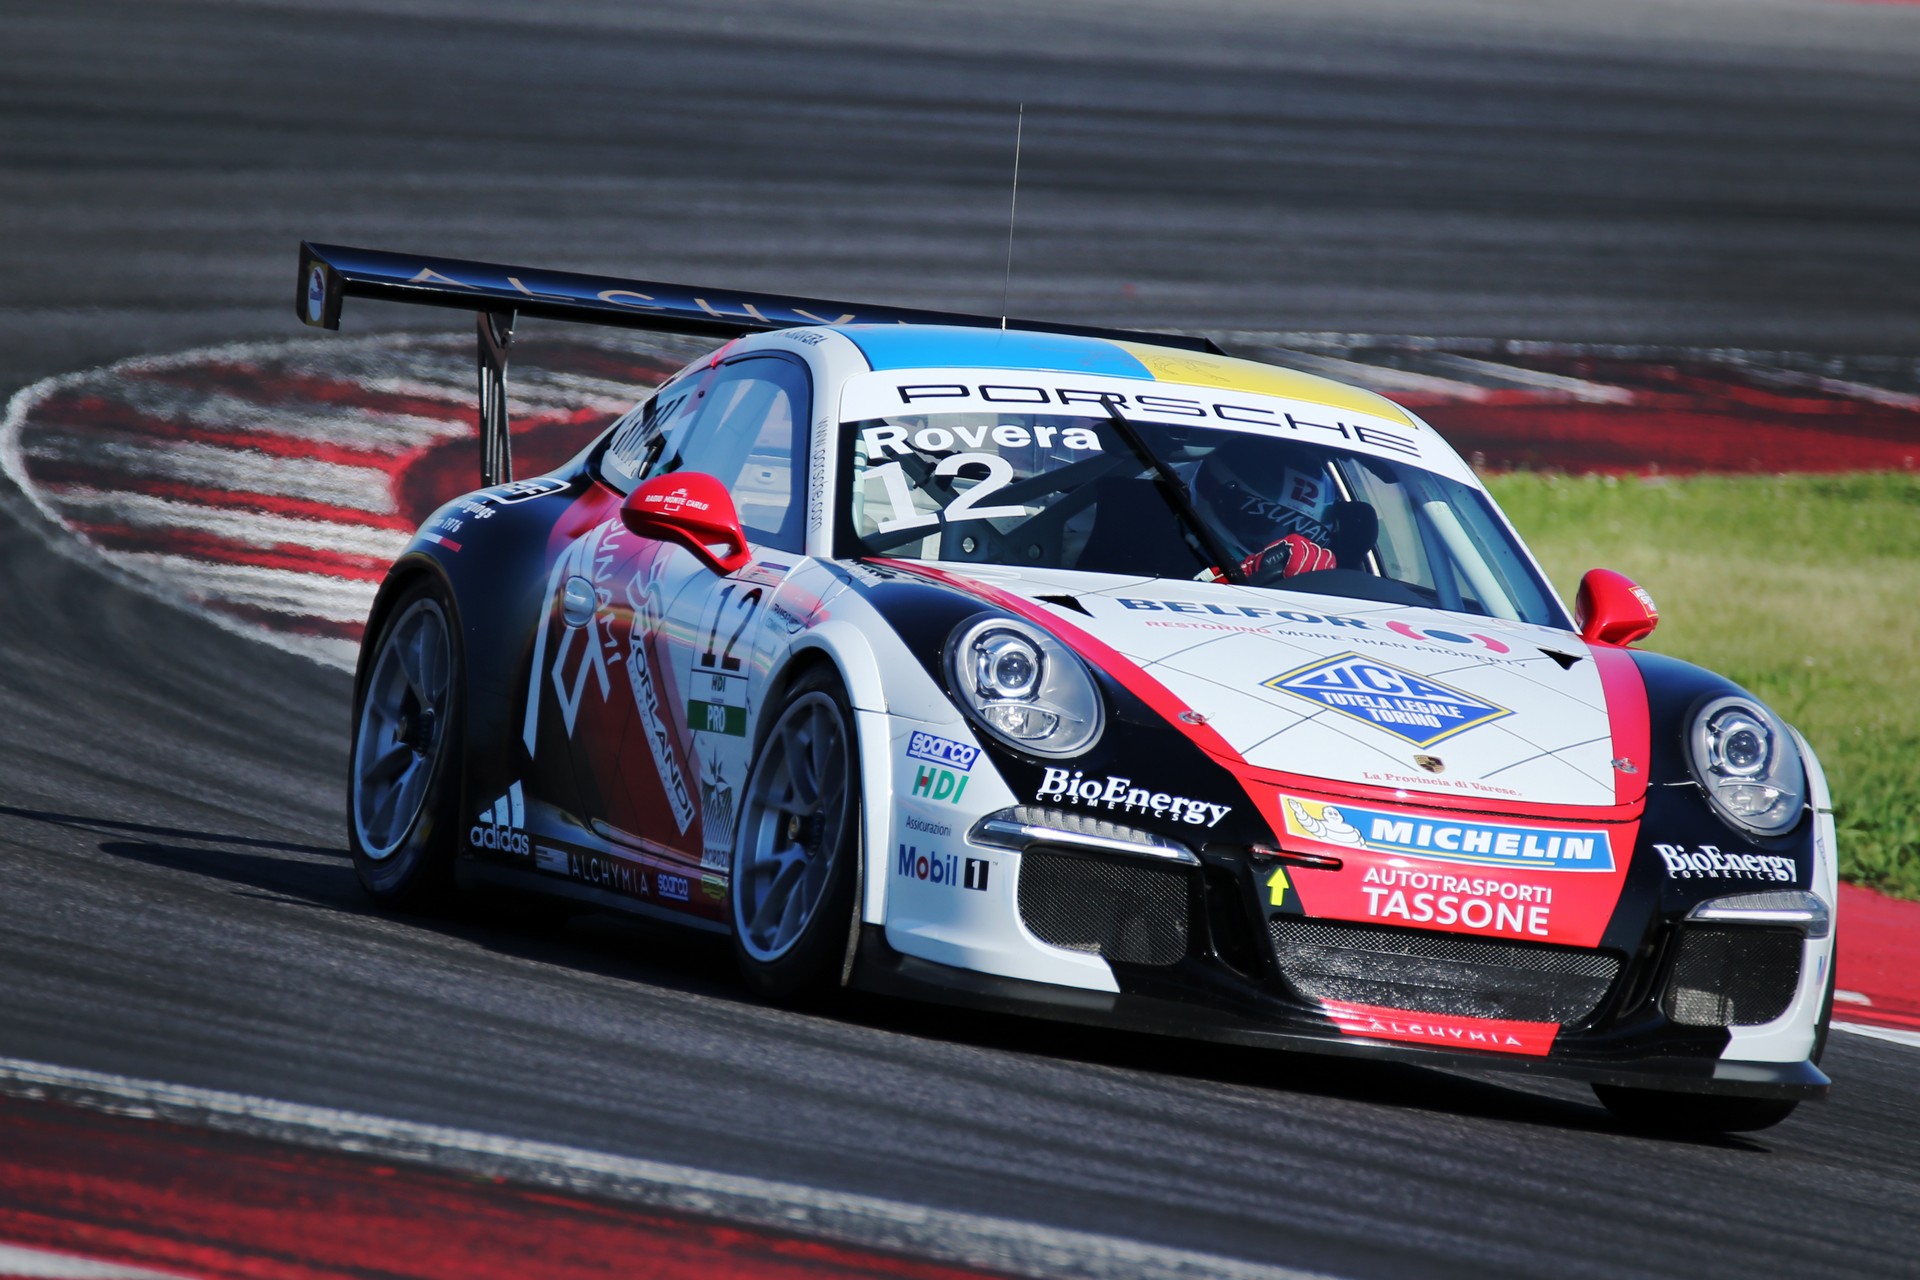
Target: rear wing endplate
x: 330, y: 274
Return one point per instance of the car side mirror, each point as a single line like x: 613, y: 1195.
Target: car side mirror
x: 1613, y: 609
x: 694, y: 510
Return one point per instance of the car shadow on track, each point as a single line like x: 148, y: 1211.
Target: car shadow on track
x: 1493, y: 1095
x: 320, y: 877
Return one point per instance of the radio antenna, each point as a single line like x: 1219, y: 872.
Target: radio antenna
x: 1013, y: 207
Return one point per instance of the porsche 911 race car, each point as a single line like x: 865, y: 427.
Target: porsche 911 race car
x: 1088, y: 674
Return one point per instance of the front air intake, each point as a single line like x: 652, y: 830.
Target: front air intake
x: 1732, y: 976
x: 1440, y: 972
x: 1128, y: 910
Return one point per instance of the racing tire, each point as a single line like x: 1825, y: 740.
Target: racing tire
x: 796, y: 848
x: 1657, y: 1111
x: 402, y: 774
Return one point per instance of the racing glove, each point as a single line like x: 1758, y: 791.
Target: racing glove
x: 1298, y: 554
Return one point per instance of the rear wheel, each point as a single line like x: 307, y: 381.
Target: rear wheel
x: 1655, y: 1110
x: 796, y: 846
x: 402, y: 786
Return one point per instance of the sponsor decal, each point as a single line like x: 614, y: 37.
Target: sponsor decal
x: 713, y: 887
x: 716, y: 816
x: 1432, y: 764
x: 1445, y: 901
x: 1498, y: 1035
x: 1409, y: 706
x: 316, y: 293
x: 672, y: 504
x: 582, y: 651
x: 608, y: 872
x: 440, y: 539
x: 933, y: 783
x: 941, y: 868
x: 646, y: 698
x: 1235, y: 612
x: 1102, y: 403
x: 1469, y: 638
x: 505, y: 495
x: 717, y: 704
x: 670, y: 886
x: 1495, y: 844
x: 819, y: 472
x: 926, y: 828
x: 1709, y: 863
x: 955, y: 755
x: 787, y: 620
x: 502, y: 825
x: 764, y: 573
x: 1116, y: 793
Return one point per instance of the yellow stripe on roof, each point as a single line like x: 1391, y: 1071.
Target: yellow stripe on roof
x: 1200, y: 369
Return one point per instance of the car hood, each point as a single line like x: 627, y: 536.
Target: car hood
x: 1354, y: 691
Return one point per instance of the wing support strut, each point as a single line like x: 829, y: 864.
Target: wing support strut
x: 496, y: 449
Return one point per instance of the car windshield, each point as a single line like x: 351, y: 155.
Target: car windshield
x: 1070, y: 492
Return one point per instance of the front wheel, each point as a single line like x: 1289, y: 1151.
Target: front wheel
x: 1658, y: 1111
x: 796, y: 846
x: 402, y: 784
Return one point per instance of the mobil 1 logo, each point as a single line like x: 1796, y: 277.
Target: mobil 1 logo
x: 946, y: 869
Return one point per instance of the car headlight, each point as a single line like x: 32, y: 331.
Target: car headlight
x: 1747, y: 763
x: 1024, y: 687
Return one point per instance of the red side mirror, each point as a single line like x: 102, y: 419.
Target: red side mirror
x: 694, y: 510
x: 1613, y: 609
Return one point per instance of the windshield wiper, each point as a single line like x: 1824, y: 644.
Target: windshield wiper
x: 1174, y: 489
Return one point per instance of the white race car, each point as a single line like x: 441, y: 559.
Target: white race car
x: 1092, y: 675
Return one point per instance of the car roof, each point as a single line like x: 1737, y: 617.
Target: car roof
x: 912, y: 346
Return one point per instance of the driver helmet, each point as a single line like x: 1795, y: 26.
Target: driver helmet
x: 1257, y: 491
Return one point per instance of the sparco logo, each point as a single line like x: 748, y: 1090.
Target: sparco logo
x: 502, y: 825
x: 1708, y: 863
x: 1119, y: 793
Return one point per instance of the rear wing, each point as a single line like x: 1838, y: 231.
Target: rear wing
x: 330, y: 274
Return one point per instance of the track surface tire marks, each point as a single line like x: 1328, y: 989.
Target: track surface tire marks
x: 1713, y: 174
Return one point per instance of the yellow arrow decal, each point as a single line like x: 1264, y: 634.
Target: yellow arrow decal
x: 1277, y: 883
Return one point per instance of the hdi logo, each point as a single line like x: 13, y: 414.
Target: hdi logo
x: 934, y: 783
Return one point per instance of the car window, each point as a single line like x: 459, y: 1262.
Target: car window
x: 636, y: 446
x: 744, y: 423
x: 1069, y: 492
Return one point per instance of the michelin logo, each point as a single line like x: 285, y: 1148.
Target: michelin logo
x: 1482, y: 843
x: 502, y: 825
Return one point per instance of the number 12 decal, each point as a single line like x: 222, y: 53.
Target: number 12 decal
x: 965, y: 507
x: 716, y: 657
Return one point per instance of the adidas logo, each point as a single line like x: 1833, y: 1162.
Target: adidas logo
x: 502, y: 825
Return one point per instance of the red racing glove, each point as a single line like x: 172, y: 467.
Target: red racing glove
x: 1297, y: 553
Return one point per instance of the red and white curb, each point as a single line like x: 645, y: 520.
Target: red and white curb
x: 20, y: 1263
x: 918, y: 1231
x: 269, y: 484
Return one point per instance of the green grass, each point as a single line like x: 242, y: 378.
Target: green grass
x: 1802, y: 588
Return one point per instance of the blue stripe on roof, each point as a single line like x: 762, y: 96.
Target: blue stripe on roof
x: 939, y: 346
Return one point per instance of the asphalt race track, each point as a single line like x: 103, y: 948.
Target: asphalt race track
x: 178, y: 903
